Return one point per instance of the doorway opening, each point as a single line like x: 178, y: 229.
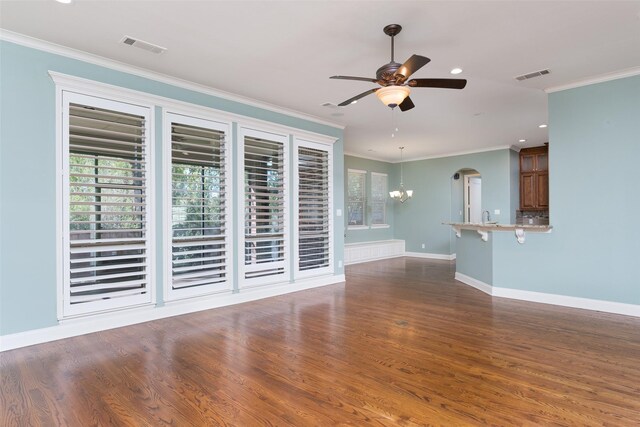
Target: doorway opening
x: 466, y: 196
x: 473, y: 198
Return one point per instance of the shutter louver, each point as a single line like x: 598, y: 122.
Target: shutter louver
x: 313, y: 209
x: 107, y: 210
x: 199, y: 249
x: 264, y: 208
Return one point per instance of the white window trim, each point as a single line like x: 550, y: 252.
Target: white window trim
x: 364, y: 225
x: 299, y: 142
x: 69, y: 91
x: 244, y: 283
x: 386, y: 222
x: 200, y: 118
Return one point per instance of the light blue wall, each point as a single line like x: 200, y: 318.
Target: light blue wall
x: 420, y: 219
x: 370, y: 234
x: 474, y: 257
x: 27, y: 174
x: 594, y: 150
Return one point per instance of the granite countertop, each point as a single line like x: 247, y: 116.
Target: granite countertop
x: 489, y: 226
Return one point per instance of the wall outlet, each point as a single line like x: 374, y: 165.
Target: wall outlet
x: 338, y: 212
x: 423, y: 246
x: 496, y: 212
x: 340, y: 264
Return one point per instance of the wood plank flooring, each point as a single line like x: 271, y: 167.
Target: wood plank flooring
x: 401, y: 343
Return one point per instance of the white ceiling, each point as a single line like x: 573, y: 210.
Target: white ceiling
x: 283, y: 52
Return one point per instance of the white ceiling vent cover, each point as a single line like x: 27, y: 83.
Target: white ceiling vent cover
x: 143, y: 45
x: 532, y: 75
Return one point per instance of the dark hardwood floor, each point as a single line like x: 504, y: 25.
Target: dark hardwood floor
x: 401, y: 343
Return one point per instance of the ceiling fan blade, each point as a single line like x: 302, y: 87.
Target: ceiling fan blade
x: 440, y: 83
x: 411, y: 65
x: 407, y: 104
x: 355, y: 98
x: 363, y: 79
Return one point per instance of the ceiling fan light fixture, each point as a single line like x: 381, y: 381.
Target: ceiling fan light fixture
x: 456, y: 70
x: 392, y: 96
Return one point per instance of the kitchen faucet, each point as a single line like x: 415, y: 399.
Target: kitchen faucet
x: 488, y: 216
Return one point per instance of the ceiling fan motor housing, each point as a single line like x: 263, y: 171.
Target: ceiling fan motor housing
x: 385, y: 73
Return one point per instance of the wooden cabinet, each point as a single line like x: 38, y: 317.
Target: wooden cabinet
x: 534, y: 178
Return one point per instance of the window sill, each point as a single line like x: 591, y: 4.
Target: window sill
x: 380, y: 226
x: 357, y: 227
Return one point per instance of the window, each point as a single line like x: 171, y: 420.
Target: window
x: 356, y: 197
x: 265, y: 209
x: 106, y: 200
x: 379, y: 197
x: 313, y: 218
x: 199, y: 254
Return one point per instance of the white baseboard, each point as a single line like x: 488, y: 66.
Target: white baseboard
x: 86, y: 325
x: 474, y: 283
x: 553, y: 299
x: 430, y: 256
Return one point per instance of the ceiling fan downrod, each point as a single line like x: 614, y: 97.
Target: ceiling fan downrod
x: 392, y: 30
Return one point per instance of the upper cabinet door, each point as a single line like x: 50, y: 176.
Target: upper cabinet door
x: 542, y: 188
x: 527, y: 162
x: 534, y: 178
x: 542, y: 162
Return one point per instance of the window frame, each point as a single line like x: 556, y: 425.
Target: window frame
x: 328, y: 148
x: 200, y: 119
x: 284, y: 139
x: 364, y: 225
x: 65, y: 96
x: 384, y: 200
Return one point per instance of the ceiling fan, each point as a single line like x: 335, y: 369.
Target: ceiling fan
x: 392, y: 77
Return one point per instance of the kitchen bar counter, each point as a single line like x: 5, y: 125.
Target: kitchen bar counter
x: 484, y: 228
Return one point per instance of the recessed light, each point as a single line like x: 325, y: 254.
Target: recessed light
x: 542, y: 126
x: 522, y: 140
x: 456, y: 71
x: 64, y: 1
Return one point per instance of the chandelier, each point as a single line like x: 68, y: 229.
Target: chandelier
x: 401, y: 194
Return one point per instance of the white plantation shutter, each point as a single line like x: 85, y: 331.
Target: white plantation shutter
x: 265, y: 210
x: 356, y: 201
x: 106, y: 200
x: 379, y: 197
x: 313, y: 215
x: 200, y: 256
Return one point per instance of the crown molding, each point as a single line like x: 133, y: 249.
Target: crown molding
x: 629, y: 72
x: 437, y: 156
x: 457, y: 153
x: 112, y: 64
x: 360, y: 156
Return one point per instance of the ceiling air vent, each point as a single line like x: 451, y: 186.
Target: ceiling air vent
x: 532, y: 75
x: 143, y: 45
